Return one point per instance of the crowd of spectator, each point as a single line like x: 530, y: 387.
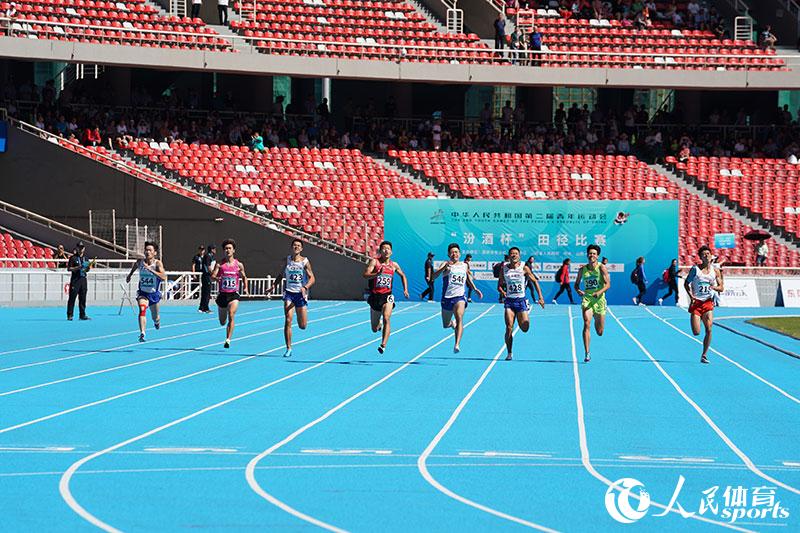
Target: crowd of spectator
x: 365, y: 126
x: 694, y: 14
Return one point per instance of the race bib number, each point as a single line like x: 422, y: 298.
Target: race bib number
x: 703, y: 288
x: 230, y: 284
x: 295, y: 277
x: 515, y: 287
x: 390, y: 299
x: 147, y: 282
x: 383, y: 281
x: 458, y: 279
x: 592, y: 283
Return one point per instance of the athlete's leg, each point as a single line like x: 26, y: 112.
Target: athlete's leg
x: 302, y: 317
x: 694, y: 320
x: 142, y: 303
x: 458, y: 312
x: 599, y: 323
x: 708, y: 322
x: 387, y: 315
x: 232, y: 307
x: 587, y: 329
x: 447, y: 317
x: 523, y: 321
x: 375, y: 319
x: 510, y: 316
x: 155, y: 314
x: 288, y: 312
x: 222, y: 313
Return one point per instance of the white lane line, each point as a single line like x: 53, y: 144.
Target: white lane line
x: 740, y: 366
x: 63, y: 485
x: 133, y: 344
x: 791, y: 463
x: 191, y: 450
x: 37, y: 448
x: 177, y: 379
x: 503, y: 454
x: 754, y: 316
x: 351, y: 466
x: 728, y: 442
x: 325, y: 451
x: 422, y: 460
x: 666, y: 459
x: 152, y: 359
x: 584, y: 446
x: 63, y: 343
x: 251, y: 466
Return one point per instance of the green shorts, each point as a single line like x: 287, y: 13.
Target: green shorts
x: 596, y: 304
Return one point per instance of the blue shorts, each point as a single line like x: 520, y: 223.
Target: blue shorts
x: 296, y: 298
x: 151, y: 297
x: 449, y: 303
x: 518, y: 305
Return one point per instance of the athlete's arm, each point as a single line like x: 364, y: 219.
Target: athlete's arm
x: 441, y: 269
x: 687, y: 283
x: 501, y: 281
x: 606, y: 280
x: 370, y: 272
x: 133, y: 269
x: 533, y: 279
x: 402, y: 278
x: 720, y: 282
x: 160, y: 271
x: 578, y: 282
x: 215, y: 272
x: 245, y: 290
x: 311, y: 279
x: 471, y: 283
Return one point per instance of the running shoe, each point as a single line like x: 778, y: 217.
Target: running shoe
x: 555, y: 302
x: 587, y: 358
x: 227, y: 343
x: 509, y: 357
x: 704, y: 359
x: 456, y: 349
x: 661, y: 301
x: 381, y: 349
x: 157, y: 324
x: 288, y: 352
x: 141, y: 337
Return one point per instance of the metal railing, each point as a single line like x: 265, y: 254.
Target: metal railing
x: 52, y: 224
x: 174, y: 186
x: 49, y: 286
x: 475, y: 54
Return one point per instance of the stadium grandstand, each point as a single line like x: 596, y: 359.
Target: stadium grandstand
x: 342, y: 124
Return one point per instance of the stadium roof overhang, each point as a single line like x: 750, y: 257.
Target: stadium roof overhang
x: 299, y: 66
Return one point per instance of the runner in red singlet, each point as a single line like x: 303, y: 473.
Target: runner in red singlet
x: 380, y: 273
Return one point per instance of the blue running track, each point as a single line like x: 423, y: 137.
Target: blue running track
x: 177, y: 433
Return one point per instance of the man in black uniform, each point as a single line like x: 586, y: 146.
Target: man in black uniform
x: 78, y: 267
x: 428, y: 278
x: 209, y: 261
x: 197, y: 263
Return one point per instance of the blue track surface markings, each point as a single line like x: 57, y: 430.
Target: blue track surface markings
x: 99, y: 431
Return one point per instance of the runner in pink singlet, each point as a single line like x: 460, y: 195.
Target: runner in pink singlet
x: 230, y: 276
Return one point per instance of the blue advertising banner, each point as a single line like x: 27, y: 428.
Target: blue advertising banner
x: 548, y: 230
x: 724, y: 240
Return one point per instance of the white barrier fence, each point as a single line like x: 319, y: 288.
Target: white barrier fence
x: 40, y: 286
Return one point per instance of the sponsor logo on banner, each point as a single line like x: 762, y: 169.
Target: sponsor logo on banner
x: 479, y: 265
x: 484, y: 275
x: 790, y: 290
x: 724, y: 240
x: 739, y: 292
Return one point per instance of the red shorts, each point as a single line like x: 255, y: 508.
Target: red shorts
x: 701, y: 307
